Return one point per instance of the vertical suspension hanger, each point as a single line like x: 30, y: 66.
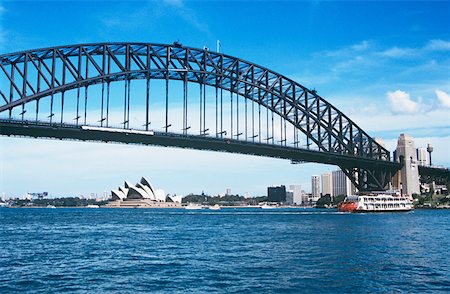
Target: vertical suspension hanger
x: 38, y: 88
x: 128, y: 80
x: 86, y: 89
x: 167, y: 89
x: 108, y: 88
x: 147, y: 90
x: 63, y: 92
x: 78, y: 88
x: 52, y: 85
x: 24, y: 88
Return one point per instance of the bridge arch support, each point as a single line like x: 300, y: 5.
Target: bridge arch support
x: 28, y: 77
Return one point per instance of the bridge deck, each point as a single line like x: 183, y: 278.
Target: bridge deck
x: 65, y: 131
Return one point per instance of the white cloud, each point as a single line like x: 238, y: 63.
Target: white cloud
x: 352, y: 64
x: 438, y: 45
x: 348, y: 50
x: 364, y: 45
x: 401, y: 102
x: 396, y: 52
x: 432, y: 45
x: 443, y: 97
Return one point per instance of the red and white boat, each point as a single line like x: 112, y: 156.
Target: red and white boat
x: 376, y: 203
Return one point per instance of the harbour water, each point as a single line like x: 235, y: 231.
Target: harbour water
x: 225, y: 251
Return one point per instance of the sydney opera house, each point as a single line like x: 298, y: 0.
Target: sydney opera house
x: 143, y: 194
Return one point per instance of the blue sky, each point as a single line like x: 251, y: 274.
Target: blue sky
x: 384, y: 64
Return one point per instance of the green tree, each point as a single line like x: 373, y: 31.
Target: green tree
x: 324, y: 200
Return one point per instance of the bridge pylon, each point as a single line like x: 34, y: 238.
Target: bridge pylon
x: 371, y: 178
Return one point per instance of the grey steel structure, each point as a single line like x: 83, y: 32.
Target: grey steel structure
x: 440, y: 176
x: 258, y: 103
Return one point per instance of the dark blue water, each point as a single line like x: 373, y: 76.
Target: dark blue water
x: 231, y: 250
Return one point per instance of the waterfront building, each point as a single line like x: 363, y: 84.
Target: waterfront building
x: 341, y: 184
x: 422, y: 156
x: 297, y: 194
x: 315, y: 188
x: 409, y: 174
x: 276, y: 194
x: 143, y: 194
x: 327, y: 184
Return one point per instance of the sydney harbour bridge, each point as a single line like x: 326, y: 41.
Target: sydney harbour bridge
x: 173, y: 95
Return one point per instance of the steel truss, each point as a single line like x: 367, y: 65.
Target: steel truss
x: 31, y: 75
x: 429, y: 174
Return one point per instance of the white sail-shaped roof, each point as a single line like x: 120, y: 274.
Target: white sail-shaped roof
x: 117, y: 195
x: 176, y: 198
x: 147, y: 190
x: 123, y: 190
x: 137, y: 193
x: 160, y: 195
x: 147, y: 183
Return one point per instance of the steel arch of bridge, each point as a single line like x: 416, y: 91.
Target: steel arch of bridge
x: 35, y: 74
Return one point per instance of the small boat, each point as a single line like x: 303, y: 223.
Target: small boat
x: 193, y: 207
x: 265, y: 206
x: 215, y: 207
x: 376, y: 203
x: 92, y: 206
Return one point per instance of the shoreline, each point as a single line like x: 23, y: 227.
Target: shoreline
x: 162, y: 207
x: 205, y: 207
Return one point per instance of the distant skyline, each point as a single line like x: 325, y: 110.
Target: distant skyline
x: 384, y: 64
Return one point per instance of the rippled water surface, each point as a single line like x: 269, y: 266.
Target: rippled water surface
x: 230, y: 250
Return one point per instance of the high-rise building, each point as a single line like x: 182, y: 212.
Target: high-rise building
x: 341, y: 184
x: 327, y: 184
x: 228, y: 192
x: 422, y: 156
x: 297, y: 194
x: 276, y: 194
x: 305, y: 198
x: 409, y: 174
x: 289, y: 197
x: 315, y: 187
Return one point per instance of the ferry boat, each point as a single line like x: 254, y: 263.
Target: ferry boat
x: 376, y: 203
